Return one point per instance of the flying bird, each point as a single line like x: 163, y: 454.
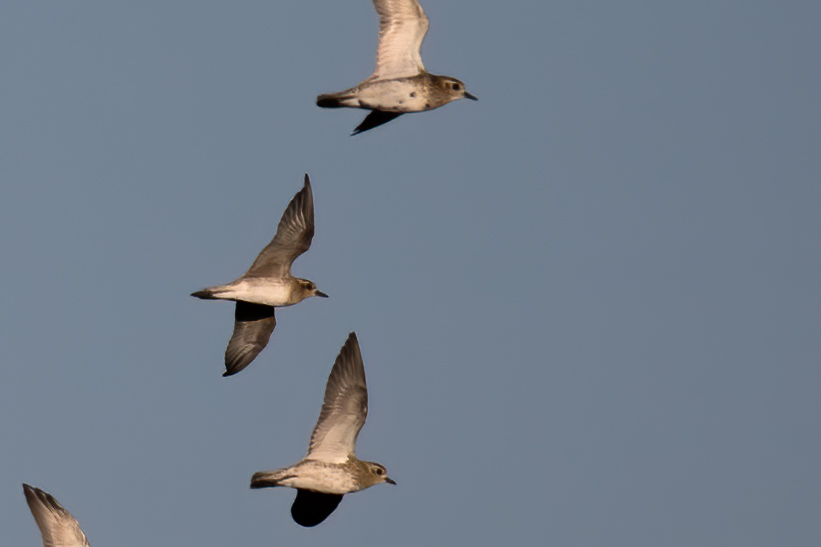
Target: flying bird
x: 331, y: 469
x: 268, y: 284
x: 57, y: 526
x: 400, y: 83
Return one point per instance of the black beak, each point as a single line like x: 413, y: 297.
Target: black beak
x: 320, y: 293
x: 390, y: 481
x: 471, y: 97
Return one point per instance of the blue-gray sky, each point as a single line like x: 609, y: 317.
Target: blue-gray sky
x: 588, y: 304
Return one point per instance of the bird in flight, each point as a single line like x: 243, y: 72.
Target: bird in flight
x: 57, y: 526
x: 268, y: 284
x: 400, y: 83
x: 331, y: 468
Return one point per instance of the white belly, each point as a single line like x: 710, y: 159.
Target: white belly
x: 257, y: 290
x: 322, y: 478
x: 393, y: 96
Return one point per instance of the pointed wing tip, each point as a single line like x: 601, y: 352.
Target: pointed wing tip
x: 351, y: 342
x: 37, y: 497
x: 238, y: 363
x: 350, y: 358
x: 30, y: 492
x: 375, y: 118
x: 307, y: 191
x: 238, y: 360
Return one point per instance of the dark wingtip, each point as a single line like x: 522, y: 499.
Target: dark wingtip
x: 351, y: 344
x: 204, y: 294
x: 237, y: 365
x: 34, y: 494
x: 30, y: 492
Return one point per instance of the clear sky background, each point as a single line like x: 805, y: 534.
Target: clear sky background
x: 589, y: 304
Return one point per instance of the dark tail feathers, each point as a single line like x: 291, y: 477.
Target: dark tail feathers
x: 330, y: 100
x: 205, y: 294
x: 261, y: 479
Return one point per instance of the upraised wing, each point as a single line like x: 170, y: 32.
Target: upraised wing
x: 344, y: 410
x: 402, y: 27
x: 293, y: 237
x: 57, y: 526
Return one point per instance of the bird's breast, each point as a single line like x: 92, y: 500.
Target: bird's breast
x: 402, y: 95
x: 323, y: 477
x: 261, y: 290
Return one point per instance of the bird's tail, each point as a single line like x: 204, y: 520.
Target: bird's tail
x: 205, y: 294
x: 338, y: 100
x: 267, y: 479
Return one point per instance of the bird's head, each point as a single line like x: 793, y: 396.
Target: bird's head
x: 309, y: 289
x: 454, y: 88
x: 377, y: 474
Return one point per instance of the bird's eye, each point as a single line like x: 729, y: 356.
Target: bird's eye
x: 380, y: 471
x: 456, y: 87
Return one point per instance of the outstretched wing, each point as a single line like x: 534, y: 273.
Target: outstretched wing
x: 402, y: 27
x: 58, y: 527
x: 344, y: 409
x: 293, y: 237
x: 253, y: 325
